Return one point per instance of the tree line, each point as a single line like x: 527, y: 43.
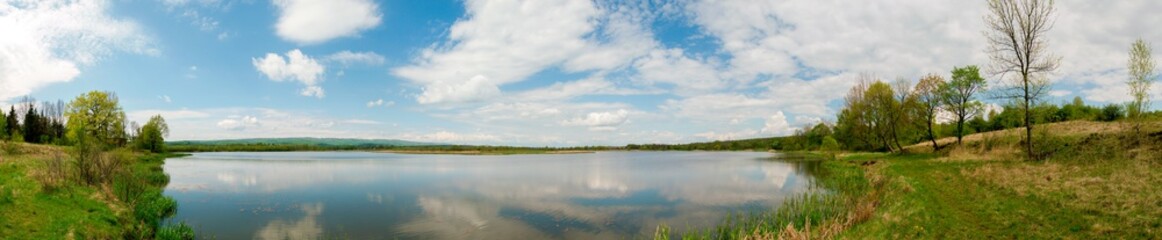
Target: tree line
x: 93, y: 116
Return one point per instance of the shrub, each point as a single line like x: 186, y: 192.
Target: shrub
x: 54, y: 174
x: 1111, y: 113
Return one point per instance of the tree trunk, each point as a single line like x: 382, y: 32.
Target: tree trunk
x: 932, y: 136
x: 1028, y: 120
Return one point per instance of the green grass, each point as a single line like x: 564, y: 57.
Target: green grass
x: 131, y: 207
x: 30, y: 213
x: 946, y: 204
x: 1095, y: 182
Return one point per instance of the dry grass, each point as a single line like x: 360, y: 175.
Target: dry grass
x: 1065, y: 129
x: 1130, y: 190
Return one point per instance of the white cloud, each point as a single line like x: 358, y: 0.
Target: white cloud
x: 165, y: 98
x: 169, y: 115
x: 317, y: 21
x: 567, y: 90
x: 777, y: 125
x: 724, y: 136
x: 380, y: 102
x: 450, y: 137
x: 295, y: 67
x: 1059, y: 93
x: 499, y: 42
x: 476, y: 88
x: 688, y: 76
x: 600, y: 121
x: 46, y: 42
x: 903, y: 38
x: 348, y: 58
x: 362, y: 121
x: 238, y: 123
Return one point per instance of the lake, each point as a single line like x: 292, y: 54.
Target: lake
x: 364, y: 195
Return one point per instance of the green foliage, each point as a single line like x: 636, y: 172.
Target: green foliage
x: 151, y: 137
x: 959, y: 96
x: 97, y: 114
x: 1111, y: 112
x: 928, y: 99
x: 1141, y: 69
x: 3, y: 126
x: 829, y: 144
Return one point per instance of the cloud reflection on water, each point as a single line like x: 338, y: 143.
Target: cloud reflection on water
x: 603, y: 195
x: 306, y: 227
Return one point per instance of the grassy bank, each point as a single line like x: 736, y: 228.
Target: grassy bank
x: 1097, y: 183
x: 41, y: 197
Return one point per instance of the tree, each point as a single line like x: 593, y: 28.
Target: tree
x: 927, y: 93
x: 959, y: 96
x: 1016, y: 31
x: 853, y: 125
x: 882, y: 109
x: 32, y: 129
x: 1141, y: 67
x: 152, y: 135
x: 13, y: 126
x: 98, y: 115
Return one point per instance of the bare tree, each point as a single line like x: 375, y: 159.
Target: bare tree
x: 1016, y: 31
x: 1141, y: 67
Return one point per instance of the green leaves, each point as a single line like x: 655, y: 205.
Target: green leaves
x: 97, y: 114
x: 958, y: 95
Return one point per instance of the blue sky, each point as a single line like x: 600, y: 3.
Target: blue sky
x: 535, y: 73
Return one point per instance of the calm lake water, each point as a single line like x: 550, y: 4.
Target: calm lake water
x: 360, y: 195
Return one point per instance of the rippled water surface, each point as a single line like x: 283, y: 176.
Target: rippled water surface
x: 360, y: 195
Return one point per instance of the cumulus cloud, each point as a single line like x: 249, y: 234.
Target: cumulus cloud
x: 296, y: 66
x: 348, y: 58
x: 46, y: 42
x: 600, y: 121
x: 777, y: 125
x: 317, y: 21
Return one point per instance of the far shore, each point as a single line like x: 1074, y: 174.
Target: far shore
x: 478, y: 152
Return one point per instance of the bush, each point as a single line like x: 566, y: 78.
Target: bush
x: 1111, y: 112
x: 54, y: 174
x: 1046, y: 144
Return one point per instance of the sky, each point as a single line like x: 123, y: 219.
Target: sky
x: 529, y: 73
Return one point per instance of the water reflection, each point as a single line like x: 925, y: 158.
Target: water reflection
x: 372, y: 195
x: 306, y: 227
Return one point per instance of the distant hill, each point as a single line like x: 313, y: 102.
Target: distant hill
x: 325, y: 142
x: 741, y: 144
